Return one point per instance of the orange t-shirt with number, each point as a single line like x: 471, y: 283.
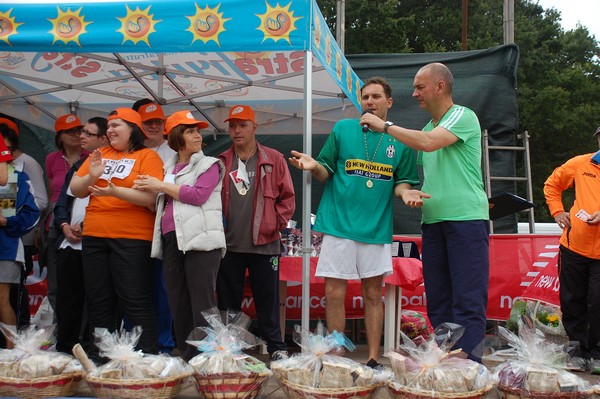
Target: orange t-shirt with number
x: 111, y: 217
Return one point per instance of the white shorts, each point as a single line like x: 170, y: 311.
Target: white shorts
x: 351, y: 260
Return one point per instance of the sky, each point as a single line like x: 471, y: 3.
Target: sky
x: 586, y: 12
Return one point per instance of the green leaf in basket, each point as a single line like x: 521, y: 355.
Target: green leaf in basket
x: 257, y: 368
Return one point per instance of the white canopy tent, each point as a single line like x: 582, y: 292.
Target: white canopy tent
x: 92, y: 56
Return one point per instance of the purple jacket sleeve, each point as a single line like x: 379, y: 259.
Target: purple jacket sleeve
x: 198, y: 193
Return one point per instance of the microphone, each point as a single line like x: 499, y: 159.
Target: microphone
x: 365, y: 127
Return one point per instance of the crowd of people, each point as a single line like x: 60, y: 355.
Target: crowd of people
x: 141, y: 228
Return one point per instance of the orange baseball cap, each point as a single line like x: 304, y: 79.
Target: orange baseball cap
x: 10, y: 124
x: 183, y: 118
x: 151, y: 111
x: 129, y: 115
x: 243, y: 112
x: 67, y: 122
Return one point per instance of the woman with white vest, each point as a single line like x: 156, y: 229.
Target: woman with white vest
x: 188, y: 230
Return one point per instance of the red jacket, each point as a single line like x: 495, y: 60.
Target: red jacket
x: 274, y: 198
x: 579, y: 172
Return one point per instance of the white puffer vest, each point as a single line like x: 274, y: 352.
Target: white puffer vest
x: 198, y: 228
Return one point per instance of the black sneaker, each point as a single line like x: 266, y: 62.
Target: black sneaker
x: 374, y: 364
x: 279, y: 355
x: 578, y: 364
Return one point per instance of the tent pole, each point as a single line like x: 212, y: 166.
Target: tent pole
x: 306, y: 191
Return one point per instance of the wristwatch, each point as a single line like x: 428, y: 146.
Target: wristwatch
x: 387, y: 126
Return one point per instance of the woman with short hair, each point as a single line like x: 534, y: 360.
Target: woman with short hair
x: 188, y: 231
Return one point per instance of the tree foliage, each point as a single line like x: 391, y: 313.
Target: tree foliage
x: 558, y: 74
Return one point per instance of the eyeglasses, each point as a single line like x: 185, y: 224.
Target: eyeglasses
x: 76, y: 131
x: 88, y: 134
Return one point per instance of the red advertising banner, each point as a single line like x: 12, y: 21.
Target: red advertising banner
x: 517, y: 263
x: 523, y: 265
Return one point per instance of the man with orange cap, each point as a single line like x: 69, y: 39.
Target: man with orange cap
x: 258, y: 200
x: 153, y: 125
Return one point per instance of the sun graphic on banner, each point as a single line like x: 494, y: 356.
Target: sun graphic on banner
x: 348, y: 78
x: 137, y: 25
x: 277, y: 23
x: 68, y: 26
x: 207, y: 24
x: 8, y: 26
x: 317, y: 31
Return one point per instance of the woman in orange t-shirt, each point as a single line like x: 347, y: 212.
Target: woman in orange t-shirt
x: 117, y: 229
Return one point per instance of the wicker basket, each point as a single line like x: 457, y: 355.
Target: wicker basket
x: 148, y: 388
x: 557, y: 335
x: 43, y: 387
x: 295, y: 391
x: 516, y: 393
x: 230, y: 385
x: 403, y: 392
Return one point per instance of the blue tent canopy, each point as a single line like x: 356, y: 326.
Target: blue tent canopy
x: 89, y: 57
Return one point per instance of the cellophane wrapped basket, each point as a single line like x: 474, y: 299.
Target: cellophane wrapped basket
x: 318, y: 374
x: 548, y: 319
x: 538, y: 367
x: 545, y: 317
x: 131, y: 374
x: 26, y: 371
x: 429, y: 368
x: 223, y: 370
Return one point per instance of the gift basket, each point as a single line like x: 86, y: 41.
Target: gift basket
x: 538, y: 368
x: 223, y: 370
x: 545, y: 317
x: 131, y: 374
x: 26, y: 371
x: 429, y: 368
x: 318, y: 374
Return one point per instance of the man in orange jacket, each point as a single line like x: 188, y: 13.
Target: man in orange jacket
x: 579, y: 262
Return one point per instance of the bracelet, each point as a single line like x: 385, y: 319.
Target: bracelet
x: 62, y: 224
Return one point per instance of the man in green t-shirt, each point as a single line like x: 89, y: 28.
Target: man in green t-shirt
x: 455, y: 218
x: 364, y: 169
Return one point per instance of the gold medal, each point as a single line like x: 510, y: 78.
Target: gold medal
x: 369, y: 183
x: 243, y: 191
